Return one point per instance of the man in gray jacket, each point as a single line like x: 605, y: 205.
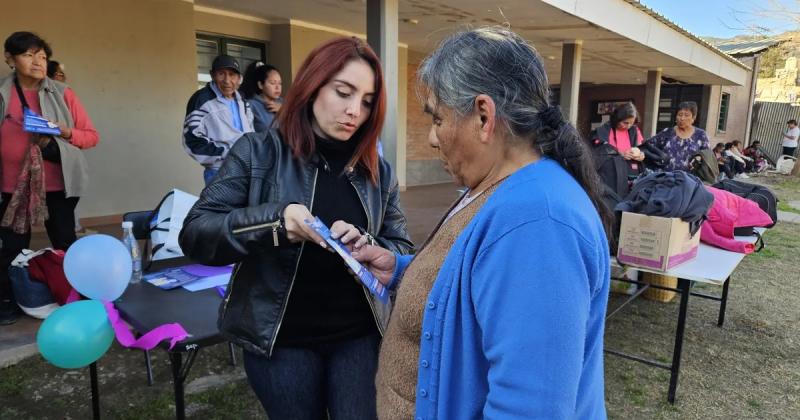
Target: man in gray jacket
x: 216, y: 116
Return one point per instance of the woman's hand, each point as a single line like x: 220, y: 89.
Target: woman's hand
x: 379, y: 261
x: 66, y: 132
x: 633, y: 154
x: 274, y: 106
x: 40, y: 140
x: 348, y: 235
x: 297, y: 230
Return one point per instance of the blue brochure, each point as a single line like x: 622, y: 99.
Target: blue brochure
x: 367, y: 279
x: 35, y: 123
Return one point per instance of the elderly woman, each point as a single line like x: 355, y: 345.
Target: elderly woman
x: 682, y: 141
x: 501, y: 313
x: 43, y: 176
x: 310, y: 333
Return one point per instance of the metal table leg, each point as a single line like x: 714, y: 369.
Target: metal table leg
x: 684, y: 288
x: 95, y: 391
x: 179, y: 372
x: 232, y: 351
x: 723, y: 302
x: 149, y: 365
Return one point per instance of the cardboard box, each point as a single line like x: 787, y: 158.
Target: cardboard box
x: 657, y: 243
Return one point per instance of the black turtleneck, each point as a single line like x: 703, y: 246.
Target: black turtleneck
x: 326, y: 303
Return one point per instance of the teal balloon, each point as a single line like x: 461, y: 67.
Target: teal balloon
x: 98, y: 267
x: 75, y: 335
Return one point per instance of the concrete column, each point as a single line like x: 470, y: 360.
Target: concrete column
x: 652, y: 96
x: 756, y: 66
x: 571, y: 79
x: 382, y: 36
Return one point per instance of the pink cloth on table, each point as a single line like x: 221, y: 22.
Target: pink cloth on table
x: 730, y: 211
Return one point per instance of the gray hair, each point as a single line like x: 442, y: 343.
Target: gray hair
x: 493, y: 61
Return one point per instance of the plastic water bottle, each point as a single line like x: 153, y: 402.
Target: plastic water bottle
x: 133, y: 247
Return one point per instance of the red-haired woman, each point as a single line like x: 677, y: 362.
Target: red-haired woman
x: 310, y: 333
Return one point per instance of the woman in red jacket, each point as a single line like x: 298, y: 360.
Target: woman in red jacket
x: 42, y: 176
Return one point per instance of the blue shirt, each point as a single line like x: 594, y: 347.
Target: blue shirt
x: 234, y: 107
x: 513, y: 325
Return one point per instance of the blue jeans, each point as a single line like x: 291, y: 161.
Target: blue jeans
x: 209, y: 174
x: 303, y: 383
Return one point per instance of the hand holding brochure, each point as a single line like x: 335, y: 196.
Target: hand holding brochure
x: 367, y: 279
x: 34, y: 123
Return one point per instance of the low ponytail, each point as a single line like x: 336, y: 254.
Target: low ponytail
x: 557, y: 139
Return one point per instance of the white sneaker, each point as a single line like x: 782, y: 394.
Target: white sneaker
x: 742, y: 176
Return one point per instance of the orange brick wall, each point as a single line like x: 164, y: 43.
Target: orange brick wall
x: 418, y: 123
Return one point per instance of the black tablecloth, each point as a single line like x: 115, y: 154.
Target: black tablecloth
x: 145, y: 307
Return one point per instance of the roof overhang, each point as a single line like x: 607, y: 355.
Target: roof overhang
x: 621, y: 39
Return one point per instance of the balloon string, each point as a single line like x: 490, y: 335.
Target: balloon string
x: 174, y: 332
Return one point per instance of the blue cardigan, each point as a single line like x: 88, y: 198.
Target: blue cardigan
x: 513, y: 326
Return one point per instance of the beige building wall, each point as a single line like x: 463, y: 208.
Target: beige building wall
x: 221, y: 23
x: 738, y: 112
x: 132, y: 64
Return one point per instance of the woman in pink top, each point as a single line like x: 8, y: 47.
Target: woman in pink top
x: 42, y: 176
x: 615, y: 149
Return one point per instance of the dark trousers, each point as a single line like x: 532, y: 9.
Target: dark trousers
x: 60, y: 227
x: 789, y: 151
x: 738, y: 167
x: 305, y: 383
x: 727, y: 168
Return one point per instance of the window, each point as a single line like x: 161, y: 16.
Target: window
x: 671, y: 96
x: 210, y: 46
x: 724, y: 104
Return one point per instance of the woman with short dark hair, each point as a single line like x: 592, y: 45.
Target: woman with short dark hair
x: 43, y: 175
x: 310, y: 333
x: 55, y: 71
x: 683, y: 140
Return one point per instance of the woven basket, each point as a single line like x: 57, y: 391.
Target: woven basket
x: 659, y: 295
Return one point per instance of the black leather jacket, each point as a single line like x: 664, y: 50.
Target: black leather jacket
x: 238, y: 219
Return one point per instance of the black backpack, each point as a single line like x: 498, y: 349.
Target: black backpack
x: 612, y: 168
x: 703, y: 165
x: 762, y: 195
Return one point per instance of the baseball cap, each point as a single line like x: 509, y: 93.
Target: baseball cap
x: 225, y: 62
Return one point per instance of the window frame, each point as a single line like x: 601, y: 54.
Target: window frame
x: 222, y: 42
x: 724, y: 109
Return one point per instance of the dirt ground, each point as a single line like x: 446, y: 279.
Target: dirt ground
x: 749, y: 369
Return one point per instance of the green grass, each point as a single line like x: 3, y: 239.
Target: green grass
x: 753, y: 357
x: 11, y: 383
